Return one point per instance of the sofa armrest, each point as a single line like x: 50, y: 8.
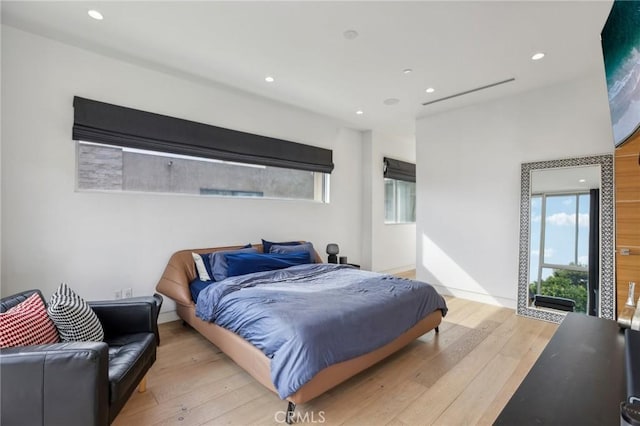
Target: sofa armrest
x: 126, y: 316
x: 61, y: 383
x: 9, y: 302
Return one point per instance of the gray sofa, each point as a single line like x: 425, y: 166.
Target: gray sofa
x: 80, y: 383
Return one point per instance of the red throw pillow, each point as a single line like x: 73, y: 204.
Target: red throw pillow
x: 27, y: 324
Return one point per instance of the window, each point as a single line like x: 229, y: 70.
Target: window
x: 560, y: 247
x: 114, y: 168
x: 399, y: 201
x: 124, y: 149
x: 399, y: 191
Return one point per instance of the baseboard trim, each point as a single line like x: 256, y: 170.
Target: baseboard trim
x: 399, y: 270
x: 167, y: 317
x: 476, y: 297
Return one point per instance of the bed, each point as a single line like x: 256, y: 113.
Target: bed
x: 181, y: 271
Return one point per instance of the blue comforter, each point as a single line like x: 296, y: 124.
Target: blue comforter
x: 308, y: 317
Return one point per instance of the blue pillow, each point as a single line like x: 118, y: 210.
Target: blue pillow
x: 218, y: 263
x: 196, y: 286
x: 304, y: 247
x: 266, y: 245
x: 247, y: 263
x: 208, y: 261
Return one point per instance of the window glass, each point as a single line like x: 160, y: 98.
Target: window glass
x: 389, y: 200
x: 560, y: 230
x: 564, y: 283
x: 559, y: 247
x: 399, y: 201
x: 536, y: 230
x: 583, y: 230
x: 111, y: 168
x: 406, y: 194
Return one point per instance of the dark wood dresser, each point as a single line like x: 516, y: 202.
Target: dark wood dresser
x: 579, y: 378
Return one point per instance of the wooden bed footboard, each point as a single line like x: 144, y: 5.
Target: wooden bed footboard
x: 254, y: 362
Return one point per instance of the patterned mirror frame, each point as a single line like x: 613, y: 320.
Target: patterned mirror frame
x: 606, y: 304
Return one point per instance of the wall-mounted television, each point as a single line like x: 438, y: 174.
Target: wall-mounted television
x: 621, y: 50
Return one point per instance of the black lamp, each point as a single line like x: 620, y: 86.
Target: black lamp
x: 332, y: 251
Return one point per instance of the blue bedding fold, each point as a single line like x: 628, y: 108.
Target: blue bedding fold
x: 308, y: 317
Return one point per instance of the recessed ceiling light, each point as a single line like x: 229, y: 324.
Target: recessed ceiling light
x: 407, y: 71
x: 430, y: 90
x: 95, y: 15
x: 359, y: 112
x: 269, y: 79
x: 391, y: 101
x: 537, y: 56
x: 350, y: 34
x: 582, y: 180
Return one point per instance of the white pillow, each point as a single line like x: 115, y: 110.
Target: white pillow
x: 202, y: 270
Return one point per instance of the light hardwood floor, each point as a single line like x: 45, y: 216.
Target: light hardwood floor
x: 463, y: 376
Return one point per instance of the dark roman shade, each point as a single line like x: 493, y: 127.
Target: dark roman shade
x: 126, y: 127
x: 399, y: 170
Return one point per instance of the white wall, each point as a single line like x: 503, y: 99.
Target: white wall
x: 468, y: 175
x: 100, y: 242
x: 1, y: 181
x: 367, y: 200
x: 387, y: 247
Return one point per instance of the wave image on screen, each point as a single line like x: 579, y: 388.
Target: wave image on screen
x: 621, y: 50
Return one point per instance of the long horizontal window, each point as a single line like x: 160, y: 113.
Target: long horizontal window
x: 114, y: 168
x: 125, y: 149
x: 109, y: 124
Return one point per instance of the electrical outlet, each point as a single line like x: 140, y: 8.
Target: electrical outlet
x: 128, y: 292
x: 118, y: 294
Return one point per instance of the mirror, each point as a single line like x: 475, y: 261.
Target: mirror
x: 566, y: 238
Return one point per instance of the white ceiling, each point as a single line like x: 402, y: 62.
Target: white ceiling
x: 451, y: 46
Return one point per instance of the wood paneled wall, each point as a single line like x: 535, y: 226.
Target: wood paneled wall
x: 627, y: 184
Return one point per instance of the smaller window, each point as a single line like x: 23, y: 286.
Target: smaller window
x: 399, y: 191
x: 399, y: 201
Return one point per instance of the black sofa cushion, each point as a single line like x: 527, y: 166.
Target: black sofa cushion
x: 130, y: 355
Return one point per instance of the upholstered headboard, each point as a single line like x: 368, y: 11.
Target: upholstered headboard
x: 181, y: 270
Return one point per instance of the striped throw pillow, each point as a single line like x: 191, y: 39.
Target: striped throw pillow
x: 27, y: 324
x: 74, y: 318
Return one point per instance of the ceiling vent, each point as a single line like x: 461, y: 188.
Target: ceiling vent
x: 466, y: 92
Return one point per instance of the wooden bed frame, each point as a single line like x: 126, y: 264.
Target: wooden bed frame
x: 180, y: 271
